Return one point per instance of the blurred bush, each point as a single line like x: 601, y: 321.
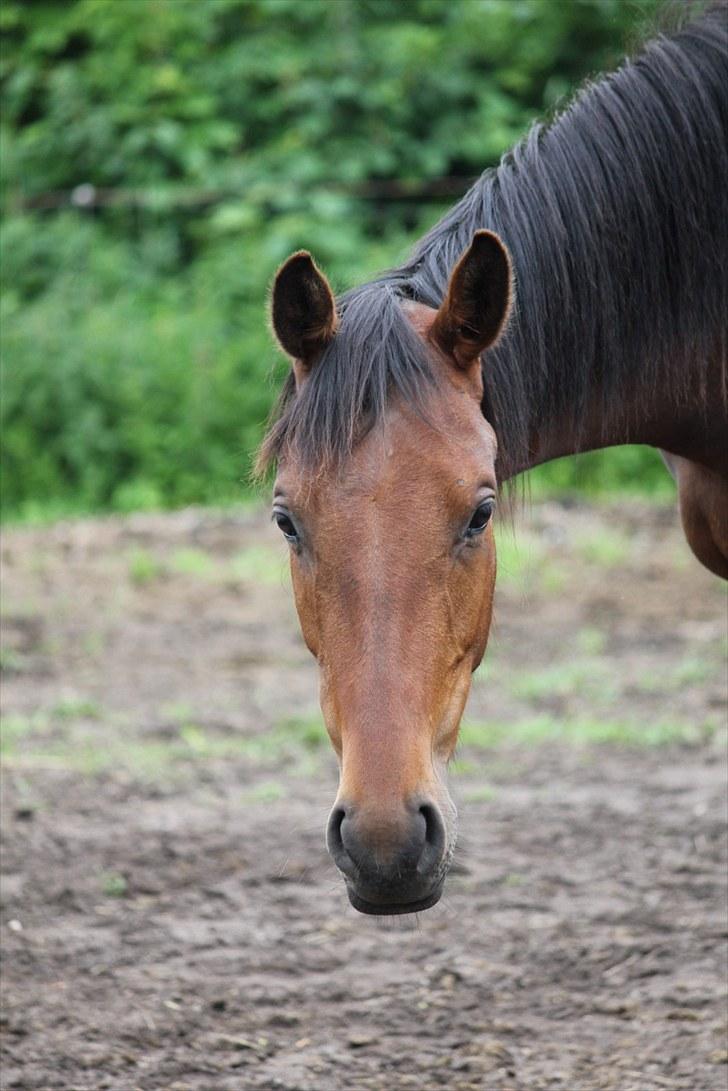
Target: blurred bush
x: 161, y: 157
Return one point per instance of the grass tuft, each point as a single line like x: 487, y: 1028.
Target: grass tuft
x: 113, y: 884
x: 260, y: 564
x: 193, y: 562
x: 585, y: 732
x: 143, y: 568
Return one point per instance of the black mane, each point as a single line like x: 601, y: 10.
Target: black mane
x: 616, y: 217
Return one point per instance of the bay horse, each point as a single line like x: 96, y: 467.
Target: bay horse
x: 574, y: 299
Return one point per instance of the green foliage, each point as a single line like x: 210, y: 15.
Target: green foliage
x: 138, y: 369
x: 627, y: 470
x: 279, y: 93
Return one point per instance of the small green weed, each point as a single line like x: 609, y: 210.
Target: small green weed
x: 93, y: 644
x: 591, y: 641
x: 692, y: 671
x: 461, y: 766
x: 590, y: 677
x: 482, y: 793
x: 15, y: 727
x: 193, y: 562
x: 11, y: 661
x: 113, y: 884
x: 259, y: 564
x: 309, y: 732
x: 268, y: 791
x: 76, y: 708
x: 177, y: 711
x: 605, y: 547
x: 198, y: 740
x: 144, y: 568
x: 524, y: 562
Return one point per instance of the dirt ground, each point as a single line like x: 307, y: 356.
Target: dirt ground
x: 170, y: 918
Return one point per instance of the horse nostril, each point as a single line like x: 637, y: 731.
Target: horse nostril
x: 434, y: 845
x: 334, y: 841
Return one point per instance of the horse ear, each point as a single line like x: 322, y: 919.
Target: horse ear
x: 303, y: 312
x: 478, y: 300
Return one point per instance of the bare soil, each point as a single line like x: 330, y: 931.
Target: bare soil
x: 170, y: 918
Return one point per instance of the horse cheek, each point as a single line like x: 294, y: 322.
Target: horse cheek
x: 305, y: 599
x: 484, y: 597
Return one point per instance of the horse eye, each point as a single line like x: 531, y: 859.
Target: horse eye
x: 480, y: 519
x: 285, y: 525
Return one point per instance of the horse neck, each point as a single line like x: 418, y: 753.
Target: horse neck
x: 693, y: 425
x: 616, y: 217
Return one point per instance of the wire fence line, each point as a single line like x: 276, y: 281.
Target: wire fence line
x: 87, y: 196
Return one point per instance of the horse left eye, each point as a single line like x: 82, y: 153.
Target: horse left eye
x: 480, y: 518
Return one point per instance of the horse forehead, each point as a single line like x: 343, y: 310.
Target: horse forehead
x: 408, y: 456
x: 384, y: 479
x: 444, y: 444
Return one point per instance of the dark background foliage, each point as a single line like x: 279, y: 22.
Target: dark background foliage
x: 161, y: 157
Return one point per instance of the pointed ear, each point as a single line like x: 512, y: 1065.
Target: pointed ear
x: 478, y: 301
x: 303, y: 312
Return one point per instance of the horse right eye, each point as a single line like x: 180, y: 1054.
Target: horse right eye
x: 285, y: 525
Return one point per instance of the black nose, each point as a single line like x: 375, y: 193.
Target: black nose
x: 393, y: 865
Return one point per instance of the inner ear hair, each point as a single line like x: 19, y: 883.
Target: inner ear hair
x: 303, y: 310
x: 478, y: 300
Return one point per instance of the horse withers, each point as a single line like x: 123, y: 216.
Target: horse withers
x: 412, y: 398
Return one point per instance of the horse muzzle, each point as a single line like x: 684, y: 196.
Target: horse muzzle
x: 392, y: 864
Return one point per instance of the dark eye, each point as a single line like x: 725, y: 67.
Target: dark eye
x: 285, y: 525
x: 480, y: 518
